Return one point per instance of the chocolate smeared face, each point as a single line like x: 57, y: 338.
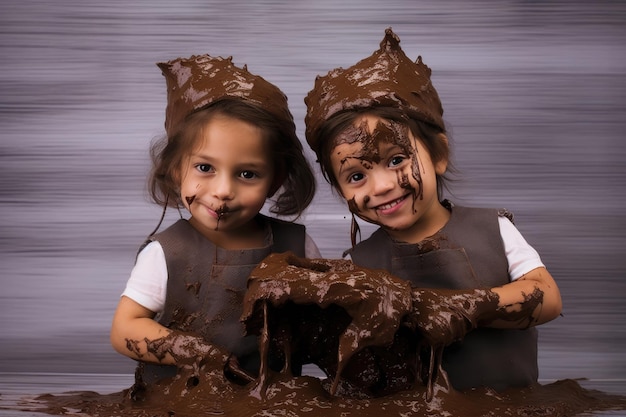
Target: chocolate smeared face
x: 385, y: 173
x: 227, y: 178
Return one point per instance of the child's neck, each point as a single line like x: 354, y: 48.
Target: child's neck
x: 427, y: 226
x: 249, y: 236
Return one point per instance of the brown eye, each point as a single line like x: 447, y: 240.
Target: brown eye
x: 396, y: 160
x: 356, y: 177
x: 248, y: 175
x: 204, y: 167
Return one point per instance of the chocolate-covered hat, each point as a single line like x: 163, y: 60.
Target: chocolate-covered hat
x: 195, y: 82
x: 387, y: 78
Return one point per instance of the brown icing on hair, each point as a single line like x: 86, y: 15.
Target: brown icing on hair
x: 387, y: 78
x: 200, y: 80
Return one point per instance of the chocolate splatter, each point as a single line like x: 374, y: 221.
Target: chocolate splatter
x: 375, y: 301
x: 519, y: 312
x: 190, y: 199
x: 193, y: 287
x: 185, y: 349
x: 333, y: 314
x: 221, y: 212
x: 133, y: 346
x: 306, y: 396
x: 387, y: 131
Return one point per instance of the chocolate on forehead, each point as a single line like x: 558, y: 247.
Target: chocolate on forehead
x: 384, y: 132
x: 195, y: 82
x: 387, y: 78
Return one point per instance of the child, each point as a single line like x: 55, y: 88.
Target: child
x: 379, y: 136
x: 231, y: 144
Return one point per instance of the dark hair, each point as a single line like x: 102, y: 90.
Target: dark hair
x: 427, y: 133
x: 294, y: 185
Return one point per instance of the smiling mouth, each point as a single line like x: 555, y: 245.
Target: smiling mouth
x: 391, y: 204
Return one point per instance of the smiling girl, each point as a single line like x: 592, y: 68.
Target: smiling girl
x: 479, y: 288
x: 231, y: 145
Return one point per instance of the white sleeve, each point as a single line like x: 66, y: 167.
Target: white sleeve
x: 522, y: 257
x: 311, y: 250
x: 147, y: 284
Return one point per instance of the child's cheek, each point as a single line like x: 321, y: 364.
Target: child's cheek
x: 352, y: 205
x: 358, y: 204
x: 190, y: 197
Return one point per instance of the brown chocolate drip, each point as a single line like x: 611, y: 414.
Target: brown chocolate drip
x: 374, y: 300
x: 306, y: 308
x: 437, y: 377
x: 259, y: 389
x: 190, y: 199
x: 353, y: 206
x: 417, y: 176
x: 221, y: 212
x: 410, y: 149
x: 384, y: 132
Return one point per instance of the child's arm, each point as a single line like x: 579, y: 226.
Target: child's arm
x: 133, y: 324
x: 536, y: 288
x: 444, y: 316
x: 135, y: 334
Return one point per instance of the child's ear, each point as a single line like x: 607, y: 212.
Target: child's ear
x: 442, y: 164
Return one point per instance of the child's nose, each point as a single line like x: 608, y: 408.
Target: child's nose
x: 224, y: 188
x: 383, y: 182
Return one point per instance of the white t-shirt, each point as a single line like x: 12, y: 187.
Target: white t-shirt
x: 147, y: 284
x: 522, y: 257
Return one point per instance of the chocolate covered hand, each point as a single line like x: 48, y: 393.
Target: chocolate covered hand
x: 444, y: 316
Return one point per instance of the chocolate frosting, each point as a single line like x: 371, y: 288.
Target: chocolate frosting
x: 195, y: 82
x: 375, y: 301
x: 387, y: 78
